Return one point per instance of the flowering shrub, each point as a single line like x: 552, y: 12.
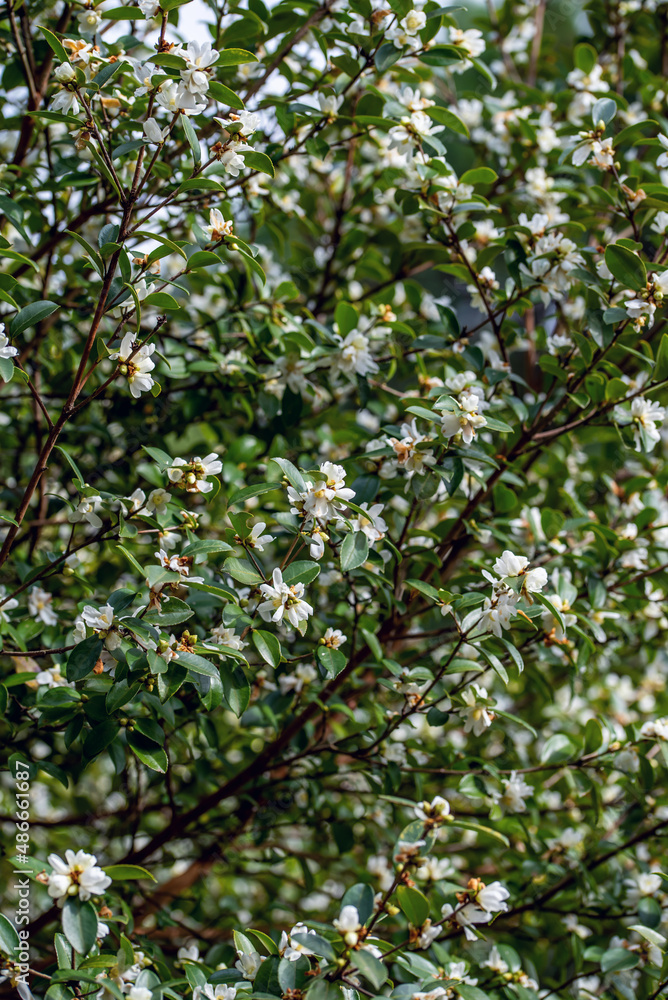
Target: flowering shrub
x: 334, y: 511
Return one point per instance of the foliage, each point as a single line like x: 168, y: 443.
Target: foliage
x: 334, y: 508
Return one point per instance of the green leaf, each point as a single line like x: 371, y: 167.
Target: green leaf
x: 371, y: 967
x: 235, y: 57
x: 361, y: 897
x: 241, y: 570
x: 148, y: 752
x: 32, y: 314
x: 248, y: 492
x: 661, y: 363
x: 267, y: 646
x: 83, y: 658
x: 354, y: 551
x: 224, y: 95
x: 333, y: 660
x: 626, y: 266
x: 558, y: 748
x: 161, y: 300
x: 479, y: 175
x: 80, y: 925
x: 99, y: 738
x: 73, y: 465
x: 9, y: 939
x: 196, y: 664
x: 618, y: 959
x: 191, y: 136
x: 259, y: 161
x: 414, y: 904
x: 125, y: 872
x: 55, y: 44
x: 203, y: 258
x: 123, y: 14
x: 302, y: 571
x: 6, y: 369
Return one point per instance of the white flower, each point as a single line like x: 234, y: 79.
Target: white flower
x: 134, y: 362
x: 51, y: 678
x: 329, y: 105
x: 256, y: 540
x: 324, y: 498
x: 466, y: 420
x: 192, y: 474
x: 218, y: 227
x: 477, y: 716
x: 39, y: 606
x: 140, y: 993
x: 355, y: 357
x: 190, y: 953
x: 662, y: 160
x: 79, y: 875
x: 199, y: 56
x: 515, y: 791
x: 249, y: 963
x: 13, y: 603
x: 413, y: 22
x: 303, y: 675
x: 65, y: 101
x: 88, y: 20
x: 242, y: 122
x: 284, y: 601
x: 436, y: 810
x: 348, y: 925
x: 492, y: 898
x: 86, y: 511
x: 646, y: 415
x: 655, y: 729
x: 227, y: 637
x: 157, y: 501
x: 219, y: 991
x: 102, y: 621
x: 509, y: 564
x: 154, y: 133
x: 333, y: 638
x: 149, y: 8
x: 6, y: 350
x: 470, y: 41
x: 291, y: 949
x: 371, y: 523
x: 495, y: 614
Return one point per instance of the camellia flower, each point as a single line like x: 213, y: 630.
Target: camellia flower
x: 333, y: 638
x: 102, y: 621
x: 6, y: 349
x: 371, y: 523
x: 89, y: 21
x: 134, y: 362
x: 248, y: 964
x: 39, y: 606
x: 192, y: 474
x: 646, y: 415
x: 478, y: 717
x: 465, y: 421
x: 256, y: 540
x: 355, y: 357
x: 413, y: 22
x: 217, y: 991
x: 434, y: 811
x: 284, y: 601
x: 154, y: 133
x: 86, y: 511
x: 78, y: 875
x: 291, y: 949
x: 199, y: 56
x: 348, y: 925
x: 218, y: 226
